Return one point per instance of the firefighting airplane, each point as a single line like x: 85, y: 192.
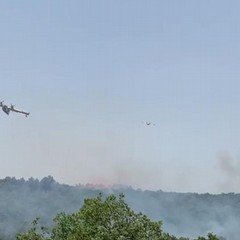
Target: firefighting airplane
x: 149, y: 123
x: 7, y: 109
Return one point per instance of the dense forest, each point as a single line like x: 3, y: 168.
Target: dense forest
x: 182, y: 214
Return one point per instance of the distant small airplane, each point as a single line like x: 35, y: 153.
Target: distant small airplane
x: 149, y: 123
x: 7, y: 109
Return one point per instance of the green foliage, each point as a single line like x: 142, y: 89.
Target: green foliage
x: 102, y: 219
x: 211, y: 236
x: 105, y: 219
x: 33, y: 233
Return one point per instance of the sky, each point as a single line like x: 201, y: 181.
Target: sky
x: 92, y: 72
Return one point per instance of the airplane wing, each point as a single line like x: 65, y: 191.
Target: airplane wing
x: 19, y: 111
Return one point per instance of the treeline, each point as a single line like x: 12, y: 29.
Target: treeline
x: 183, y: 214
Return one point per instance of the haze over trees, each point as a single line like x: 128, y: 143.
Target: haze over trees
x: 182, y: 214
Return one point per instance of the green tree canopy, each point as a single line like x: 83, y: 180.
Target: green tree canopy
x: 103, y: 219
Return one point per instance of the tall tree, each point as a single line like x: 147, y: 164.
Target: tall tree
x: 106, y: 219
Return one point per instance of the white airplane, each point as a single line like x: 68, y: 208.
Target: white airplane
x: 7, y: 109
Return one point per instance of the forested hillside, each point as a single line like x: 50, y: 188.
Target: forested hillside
x: 183, y: 214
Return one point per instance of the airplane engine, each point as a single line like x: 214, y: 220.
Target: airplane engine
x: 6, y: 109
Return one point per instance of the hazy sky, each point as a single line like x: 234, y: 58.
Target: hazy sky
x: 90, y: 72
